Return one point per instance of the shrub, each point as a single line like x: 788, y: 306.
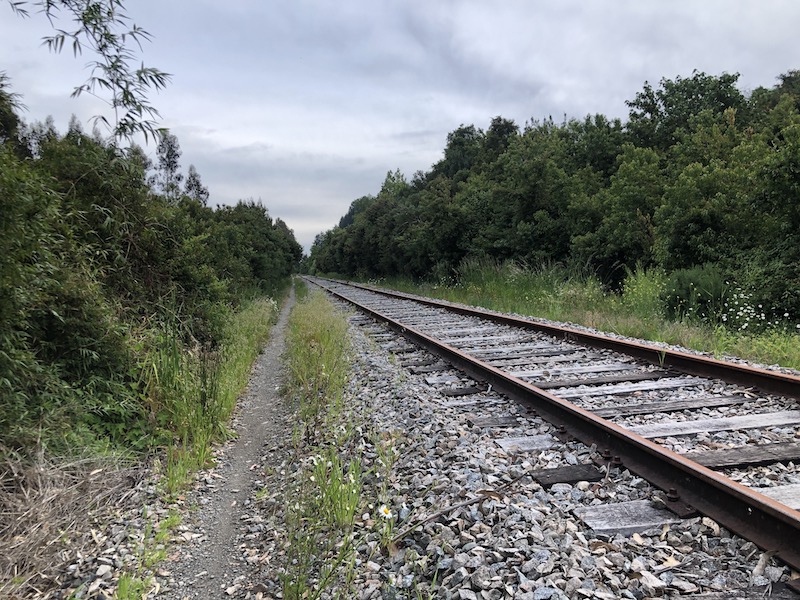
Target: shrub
x: 696, y: 293
x: 643, y: 291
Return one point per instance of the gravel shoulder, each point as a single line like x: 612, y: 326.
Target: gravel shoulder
x: 475, y: 524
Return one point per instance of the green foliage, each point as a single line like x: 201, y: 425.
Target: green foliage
x: 326, y: 495
x: 62, y: 350
x: 643, y: 291
x: 9, y: 105
x: 659, y: 116
x: 696, y: 293
x: 103, y: 28
x: 317, y: 360
x: 699, y: 174
x: 339, y: 489
x: 127, y: 318
x: 624, y: 235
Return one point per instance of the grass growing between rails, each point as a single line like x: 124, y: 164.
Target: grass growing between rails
x: 638, y: 310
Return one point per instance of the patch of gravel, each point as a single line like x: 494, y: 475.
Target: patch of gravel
x: 468, y: 520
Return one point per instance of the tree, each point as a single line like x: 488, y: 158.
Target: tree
x: 168, y: 155
x: 356, y: 206
x: 594, y: 142
x: 463, y: 150
x: 658, y: 115
x: 497, y: 139
x: 104, y: 28
x: 624, y: 235
x: 194, y: 187
x: 9, y: 105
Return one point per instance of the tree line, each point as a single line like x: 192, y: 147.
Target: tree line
x: 702, y: 179
x: 102, y: 254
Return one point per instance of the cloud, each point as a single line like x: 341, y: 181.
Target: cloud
x: 307, y: 104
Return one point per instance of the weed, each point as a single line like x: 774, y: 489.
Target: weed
x: 321, y: 513
x: 131, y: 587
x: 193, y: 393
x: 318, y: 362
x: 739, y: 325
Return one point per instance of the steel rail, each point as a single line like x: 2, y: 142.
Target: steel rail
x: 773, y: 382
x: 766, y: 522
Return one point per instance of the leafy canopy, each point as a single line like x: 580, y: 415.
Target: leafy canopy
x: 103, y: 28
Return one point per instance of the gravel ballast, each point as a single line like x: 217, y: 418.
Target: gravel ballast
x: 468, y: 520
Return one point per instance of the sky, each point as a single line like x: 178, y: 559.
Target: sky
x: 305, y: 105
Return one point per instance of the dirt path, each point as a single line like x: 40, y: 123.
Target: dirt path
x: 216, y: 558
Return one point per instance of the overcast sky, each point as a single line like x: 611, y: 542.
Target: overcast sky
x: 306, y: 104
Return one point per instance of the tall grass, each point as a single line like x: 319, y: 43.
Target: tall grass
x: 327, y: 490
x: 318, y: 361
x: 637, y: 310
x: 191, y: 393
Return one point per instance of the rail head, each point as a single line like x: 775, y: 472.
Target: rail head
x: 773, y: 382
x: 755, y: 516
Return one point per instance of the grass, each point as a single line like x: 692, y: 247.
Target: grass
x: 318, y: 362
x: 331, y: 489
x: 192, y: 393
x: 322, y: 508
x: 151, y: 552
x: 636, y: 311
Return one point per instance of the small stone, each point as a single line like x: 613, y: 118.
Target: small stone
x: 103, y: 571
x: 481, y: 578
x: 652, y: 585
x: 684, y: 586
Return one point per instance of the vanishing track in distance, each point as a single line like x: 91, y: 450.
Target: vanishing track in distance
x: 653, y: 410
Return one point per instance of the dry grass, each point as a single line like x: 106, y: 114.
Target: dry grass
x: 47, y: 517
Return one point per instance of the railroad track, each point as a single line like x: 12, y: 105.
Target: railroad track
x: 659, y: 413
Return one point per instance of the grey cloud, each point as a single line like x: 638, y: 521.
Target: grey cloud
x: 307, y: 104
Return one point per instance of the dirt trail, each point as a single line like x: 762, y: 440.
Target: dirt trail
x: 211, y: 564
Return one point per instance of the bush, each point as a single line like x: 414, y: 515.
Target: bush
x: 643, y: 292
x: 696, y: 293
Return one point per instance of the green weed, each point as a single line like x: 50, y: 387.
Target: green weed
x: 131, y: 587
x: 637, y: 311
x: 318, y: 362
x: 323, y: 506
x: 192, y: 393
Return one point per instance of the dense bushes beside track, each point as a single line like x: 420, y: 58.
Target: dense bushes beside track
x: 108, y: 268
x: 701, y: 179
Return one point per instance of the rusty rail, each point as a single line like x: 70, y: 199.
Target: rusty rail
x: 752, y: 515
